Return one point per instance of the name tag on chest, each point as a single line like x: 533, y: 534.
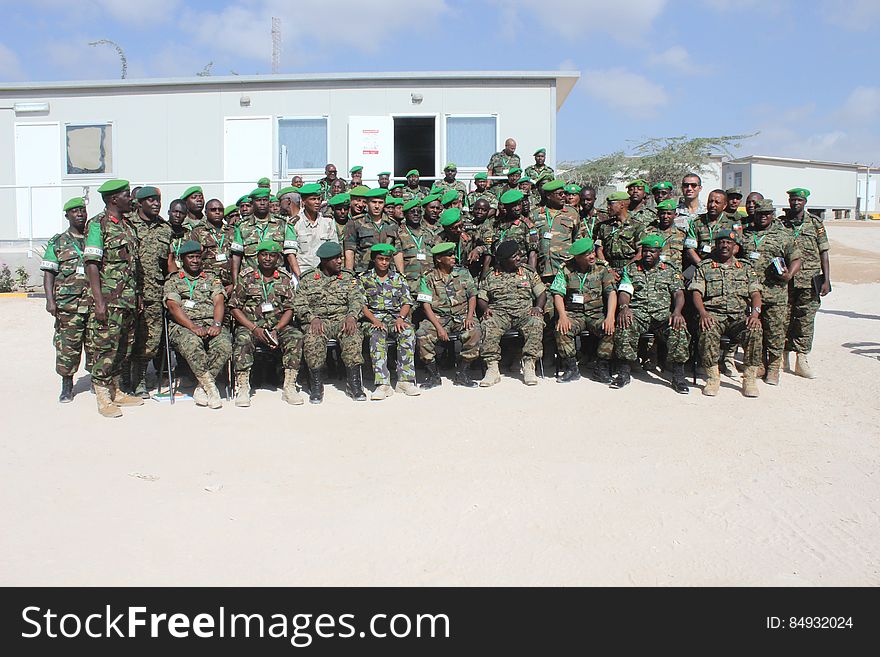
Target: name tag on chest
x: 80, y: 271
x: 267, y: 307
x: 548, y: 235
x: 706, y: 249
x: 577, y: 298
x: 754, y: 255
x: 189, y: 304
x: 220, y: 257
x: 664, y: 258
x: 420, y: 256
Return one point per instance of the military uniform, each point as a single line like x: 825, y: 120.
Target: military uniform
x: 584, y: 294
x: 500, y: 163
x: 419, y: 192
x: 726, y: 290
x: 811, y: 240
x: 448, y: 296
x: 250, y: 232
x: 216, y: 250
x: 519, y: 230
x: 651, y: 293
x: 457, y: 185
x: 534, y: 172
x: 330, y: 299
x: 510, y: 296
x: 385, y: 299
x: 415, y: 245
x: 490, y: 197
x: 177, y: 241
x: 361, y: 233
x: 195, y: 296
x: 309, y: 236
x: 263, y: 300
x: 64, y: 258
x: 644, y: 216
x: 672, y: 252
x: 464, y: 246
x: 619, y: 241
x: 701, y: 232
x: 154, y: 245
x: 556, y: 231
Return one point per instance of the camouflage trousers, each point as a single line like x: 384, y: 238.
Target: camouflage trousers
x: 69, y: 340
x: 566, y: 344
x: 315, y: 346
x: 109, y: 343
x: 500, y: 322
x: 427, y: 337
x: 148, y: 331
x: 626, y: 340
x: 774, y: 318
x: 803, y: 303
x: 406, y: 350
x: 709, y: 342
x: 290, y: 344
x: 203, y: 355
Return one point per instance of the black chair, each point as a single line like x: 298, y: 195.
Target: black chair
x: 514, y: 334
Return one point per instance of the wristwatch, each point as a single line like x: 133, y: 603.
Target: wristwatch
x: 757, y: 309
x: 217, y: 324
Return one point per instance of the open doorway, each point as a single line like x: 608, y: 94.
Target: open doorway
x: 415, y: 145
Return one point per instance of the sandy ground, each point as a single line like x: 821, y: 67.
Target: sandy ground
x: 560, y: 485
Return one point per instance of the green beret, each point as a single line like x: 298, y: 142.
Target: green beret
x: 514, y: 170
x: 764, y: 205
x: 668, y: 204
x: 356, y: 168
x: 263, y: 181
x: 583, y: 245
x: 378, y: 192
x: 435, y: 189
x: 450, y: 167
x: 269, y: 245
x: 652, y: 241
x: 396, y: 186
x: 260, y: 192
x: 383, y: 173
x: 287, y: 190
x: 800, y: 192
x: 410, y: 204
x: 273, y: 199
x: 442, y: 248
x: 554, y: 185
x: 384, y: 249
x: 525, y: 179
x: 638, y: 182
x: 450, y: 216
x: 190, y: 246
x: 329, y: 250
x: 731, y: 235
x: 511, y: 196
x: 733, y: 191
x: 540, y: 150
x: 482, y: 175
x: 393, y: 200
x: 147, y: 192
x: 616, y: 196
x: 310, y: 189
x: 339, y: 199
x: 113, y: 186
x: 571, y: 189
x: 229, y: 209
x: 75, y: 202
x: 448, y: 197
x: 190, y: 191
x: 359, y: 191
x: 244, y: 199
x: 661, y: 186
x: 412, y: 172
x: 429, y: 199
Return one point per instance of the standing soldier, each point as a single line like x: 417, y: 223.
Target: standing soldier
x: 431, y: 210
x: 358, y: 201
x: 260, y: 227
x: 216, y: 241
x: 558, y: 226
x: 330, y: 175
x: 530, y: 194
x: 416, y: 242
x: 372, y: 228
x: 703, y: 228
x: 811, y: 283
x: 65, y: 285
x: 311, y: 227
x: 196, y: 303
x: 111, y: 268
x: 384, y: 179
x: 449, y: 299
x: 179, y: 233
x: 584, y: 299
x: 481, y: 190
x: 449, y: 181
x: 513, y: 176
x: 771, y: 250
x: 230, y: 215
x: 387, y: 307
x: 662, y: 191
x: 413, y: 189
x: 673, y: 237
x: 479, y: 218
x: 194, y: 198
x: 724, y: 289
x: 638, y: 210
x: 262, y: 305
x: 590, y: 216
x: 245, y: 207
x: 540, y: 168
x: 648, y: 289
x: 509, y: 225
x: 328, y: 304
x: 618, y: 238
x: 503, y: 161
x: 340, y: 206
x: 357, y: 177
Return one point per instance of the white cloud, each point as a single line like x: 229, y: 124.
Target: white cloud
x: 628, y: 92
x: 677, y: 59
x: 75, y: 58
x: 862, y: 105
x: 128, y: 11
x: 10, y: 66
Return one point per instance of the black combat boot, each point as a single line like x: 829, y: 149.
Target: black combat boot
x: 623, y: 375
x: 355, y: 388
x: 679, y: 382
x: 66, y: 395
x: 602, y: 371
x: 433, y: 379
x: 572, y: 372
x: 316, y: 385
x: 462, y: 374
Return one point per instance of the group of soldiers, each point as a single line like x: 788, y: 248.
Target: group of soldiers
x: 335, y: 263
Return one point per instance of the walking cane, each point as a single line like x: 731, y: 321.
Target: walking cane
x: 168, y: 360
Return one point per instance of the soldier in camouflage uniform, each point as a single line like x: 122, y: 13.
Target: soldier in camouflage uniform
x: 806, y: 290
x: 672, y: 252
x: 262, y: 306
x: 531, y: 196
x: 481, y: 190
x: 387, y: 310
x: 503, y: 161
x: 638, y: 210
x: 702, y: 230
x: 511, y: 297
x: 413, y: 189
x: 431, y: 210
x: 216, y: 241
x: 331, y: 175
x: 340, y: 207
x: 583, y: 294
x: 260, y: 227
x: 766, y: 239
x: 479, y: 219
x: 328, y: 304
x: 513, y: 177
x: 469, y: 251
x: 617, y: 239
x: 449, y: 181
x: 361, y: 233
x: 154, y: 246
x: 510, y: 226
x: 662, y: 191
x: 723, y: 289
x: 558, y: 226
x: 356, y: 177
x: 179, y: 233
x: 590, y: 216
x: 448, y: 296
x: 416, y: 242
x: 111, y: 267
x: 540, y: 168
x: 194, y: 199
x: 647, y: 291
x: 195, y: 300
x: 65, y: 285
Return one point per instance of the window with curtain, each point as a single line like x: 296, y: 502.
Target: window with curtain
x: 89, y: 149
x: 470, y: 140
x: 305, y: 141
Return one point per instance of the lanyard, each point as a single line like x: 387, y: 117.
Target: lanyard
x: 267, y: 290
x: 590, y: 227
x: 263, y: 232
x: 503, y: 233
x: 76, y: 248
x: 549, y: 220
x: 758, y: 241
x: 177, y: 248
x: 458, y: 251
x: 583, y: 278
x: 415, y: 239
x: 797, y: 231
x: 220, y: 241
x: 192, y: 286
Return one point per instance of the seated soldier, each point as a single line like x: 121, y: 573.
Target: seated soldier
x: 512, y: 296
x: 647, y: 291
x: 724, y: 289
x: 449, y: 299
x: 583, y: 295
x: 262, y: 305
x: 196, y: 304
x: 328, y: 304
x: 387, y: 308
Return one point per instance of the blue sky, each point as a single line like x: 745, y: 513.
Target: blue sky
x: 801, y: 73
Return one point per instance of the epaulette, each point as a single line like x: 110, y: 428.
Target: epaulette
x: 246, y: 271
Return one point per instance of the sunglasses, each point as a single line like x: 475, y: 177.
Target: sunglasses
x: 690, y: 184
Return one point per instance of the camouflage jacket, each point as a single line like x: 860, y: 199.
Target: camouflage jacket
x: 759, y: 249
x: 385, y: 297
x: 252, y: 290
x: 811, y: 240
x: 457, y: 185
x: 473, y: 197
x: 672, y: 252
x: 251, y: 231
x: 448, y: 294
x: 464, y: 246
x: 646, y: 216
x: 500, y: 163
x: 726, y: 288
x: 216, y: 249
x: 177, y: 240
x: 415, y: 245
x: 112, y: 244
x: 557, y: 230
x: 419, y: 192
x: 701, y: 232
x: 361, y: 233
x: 619, y: 241
x: 534, y: 171
x: 195, y: 296
x: 519, y: 231
x: 154, y: 245
x: 64, y: 258
x: 513, y: 292
x: 329, y: 298
x: 584, y: 292
x: 651, y: 290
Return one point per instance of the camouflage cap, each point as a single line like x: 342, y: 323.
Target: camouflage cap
x: 733, y: 191
x: 764, y: 205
